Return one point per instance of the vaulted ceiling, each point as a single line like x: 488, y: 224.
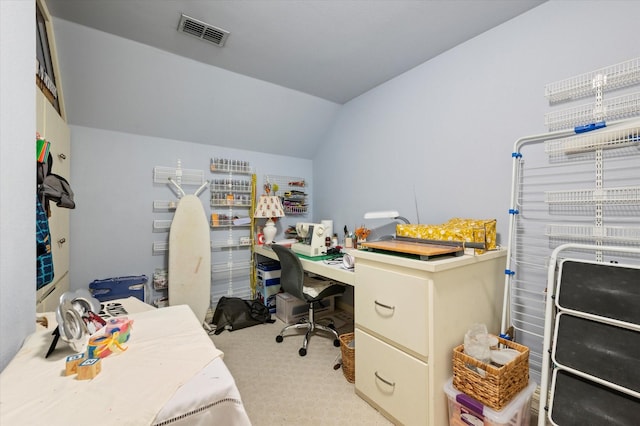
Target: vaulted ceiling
x: 332, y: 49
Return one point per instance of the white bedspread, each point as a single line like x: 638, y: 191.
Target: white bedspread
x: 167, y: 348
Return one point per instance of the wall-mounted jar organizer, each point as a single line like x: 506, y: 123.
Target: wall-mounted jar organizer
x: 231, y: 192
x: 230, y: 166
x: 232, y: 204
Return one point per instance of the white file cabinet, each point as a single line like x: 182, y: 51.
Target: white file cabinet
x: 409, y: 315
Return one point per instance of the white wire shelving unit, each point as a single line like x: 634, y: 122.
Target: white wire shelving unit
x: 232, y: 200
x: 614, y: 77
x: 293, y: 192
x: 174, y: 177
x: 181, y: 176
x: 579, y: 183
x: 545, y: 214
x: 617, y: 108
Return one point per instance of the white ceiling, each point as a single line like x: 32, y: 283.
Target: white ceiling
x: 332, y: 49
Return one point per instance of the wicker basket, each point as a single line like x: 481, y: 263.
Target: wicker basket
x: 499, y: 384
x: 348, y: 357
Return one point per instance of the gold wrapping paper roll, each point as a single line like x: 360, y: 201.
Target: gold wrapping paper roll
x: 456, y: 229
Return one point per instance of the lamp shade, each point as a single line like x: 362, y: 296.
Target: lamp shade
x: 269, y: 206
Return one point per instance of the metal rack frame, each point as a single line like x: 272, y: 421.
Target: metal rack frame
x: 562, y: 196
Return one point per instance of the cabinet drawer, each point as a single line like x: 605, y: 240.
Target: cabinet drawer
x: 56, y: 131
x: 59, y: 230
x: 393, y: 305
x: 48, y: 297
x: 404, y: 395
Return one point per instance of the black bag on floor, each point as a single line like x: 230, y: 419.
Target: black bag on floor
x: 233, y: 313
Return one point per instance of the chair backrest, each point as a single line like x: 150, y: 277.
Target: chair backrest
x: 291, y: 271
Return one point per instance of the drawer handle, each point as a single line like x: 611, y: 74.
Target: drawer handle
x: 392, y: 308
x: 62, y: 156
x: 392, y: 384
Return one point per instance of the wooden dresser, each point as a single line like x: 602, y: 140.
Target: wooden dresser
x: 409, y: 315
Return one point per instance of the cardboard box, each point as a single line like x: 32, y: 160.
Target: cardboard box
x: 268, y: 275
x: 266, y: 292
x: 464, y: 410
x: 290, y: 309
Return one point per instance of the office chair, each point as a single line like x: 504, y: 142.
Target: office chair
x: 292, y: 281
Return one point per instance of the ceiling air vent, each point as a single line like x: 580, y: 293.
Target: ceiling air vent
x: 202, y: 30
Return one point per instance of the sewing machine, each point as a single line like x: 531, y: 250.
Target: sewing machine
x: 313, y: 239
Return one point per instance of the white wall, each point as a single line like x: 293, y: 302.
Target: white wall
x: 443, y: 131
x: 131, y: 108
x: 112, y: 180
x: 17, y: 176
x: 441, y: 135
x: 117, y: 84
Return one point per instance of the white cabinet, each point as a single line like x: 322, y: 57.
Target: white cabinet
x: 409, y: 315
x: 51, y: 125
x: 54, y: 129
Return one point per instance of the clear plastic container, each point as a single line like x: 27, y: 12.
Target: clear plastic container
x: 466, y: 411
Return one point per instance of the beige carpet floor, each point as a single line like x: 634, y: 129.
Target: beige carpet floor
x: 279, y: 387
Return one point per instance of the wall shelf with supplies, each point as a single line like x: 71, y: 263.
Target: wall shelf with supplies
x: 230, y: 166
x: 224, y: 221
x: 232, y: 204
x: 292, y: 191
x: 241, y: 242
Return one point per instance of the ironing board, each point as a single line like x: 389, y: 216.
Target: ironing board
x: 190, y: 257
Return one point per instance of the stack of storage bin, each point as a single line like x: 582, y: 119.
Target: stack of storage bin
x: 268, y: 283
x: 465, y: 411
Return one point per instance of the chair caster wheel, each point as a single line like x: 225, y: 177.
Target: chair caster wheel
x: 302, y: 352
x: 336, y: 343
x: 279, y: 339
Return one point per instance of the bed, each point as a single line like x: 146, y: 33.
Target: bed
x: 170, y: 374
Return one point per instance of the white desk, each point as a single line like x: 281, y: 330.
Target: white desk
x: 409, y: 315
x: 332, y: 271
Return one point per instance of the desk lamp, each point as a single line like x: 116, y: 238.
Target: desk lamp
x: 269, y: 206
x: 390, y: 214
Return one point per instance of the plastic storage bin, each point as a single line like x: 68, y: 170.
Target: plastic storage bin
x: 290, y: 309
x: 268, y: 283
x: 466, y: 411
x: 119, y: 288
